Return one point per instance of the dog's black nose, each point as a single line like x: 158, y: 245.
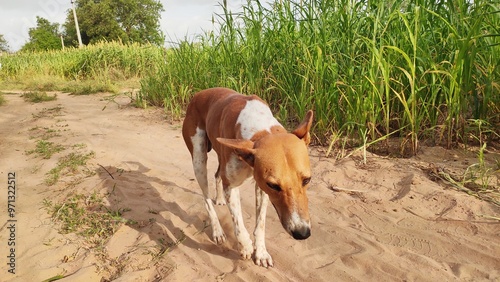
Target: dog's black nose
x: 301, y: 233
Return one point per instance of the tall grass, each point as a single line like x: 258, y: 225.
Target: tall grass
x: 417, y: 70
x: 106, y: 62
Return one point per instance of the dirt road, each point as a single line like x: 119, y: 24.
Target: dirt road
x: 383, y: 221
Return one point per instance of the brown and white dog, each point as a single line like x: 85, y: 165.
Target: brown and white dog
x: 249, y: 141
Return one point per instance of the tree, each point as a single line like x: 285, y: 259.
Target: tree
x: 125, y: 20
x: 4, y: 46
x: 45, y: 36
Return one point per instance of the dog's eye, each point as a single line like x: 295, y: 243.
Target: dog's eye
x: 306, y: 181
x: 273, y: 186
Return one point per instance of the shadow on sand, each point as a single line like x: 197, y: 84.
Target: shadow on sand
x: 136, y: 194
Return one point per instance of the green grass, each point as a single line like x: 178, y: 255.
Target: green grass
x: 103, y: 67
x: 89, y: 87
x: 46, y: 149
x: 38, y: 97
x: 370, y: 70
x: 87, y: 216
x: 44, y: 133
x: 48, y: 112
x: 66, y: 165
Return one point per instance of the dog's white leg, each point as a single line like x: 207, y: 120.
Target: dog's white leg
x: 234, y: 204
x: 200, y: 170
x: 262, y: 257
x: 219, y: 198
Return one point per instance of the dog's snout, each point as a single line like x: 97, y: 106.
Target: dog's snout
x: 301, y: 233
x: 297, y: 226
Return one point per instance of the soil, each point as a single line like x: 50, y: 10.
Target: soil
x: 386, y: 219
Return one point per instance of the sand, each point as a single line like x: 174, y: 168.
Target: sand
x: 385, y: 220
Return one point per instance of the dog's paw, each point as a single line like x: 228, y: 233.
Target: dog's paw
x: 263, y: 258
x: 218, y: 236
x: 246, y: 250
x: 220, y: 201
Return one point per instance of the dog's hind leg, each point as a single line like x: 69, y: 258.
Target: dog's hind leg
x: 219, y: 198
x: 199, y: 155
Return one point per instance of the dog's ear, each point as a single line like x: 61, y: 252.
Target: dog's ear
x: 302, y: 131
x: 243, y: 148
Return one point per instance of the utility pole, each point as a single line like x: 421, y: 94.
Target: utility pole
x: 76, y: 25
x: 62, y: 40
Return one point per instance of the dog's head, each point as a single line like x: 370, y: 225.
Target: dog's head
x: 282, y: 170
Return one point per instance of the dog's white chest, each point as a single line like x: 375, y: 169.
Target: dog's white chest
x: 255, y: 116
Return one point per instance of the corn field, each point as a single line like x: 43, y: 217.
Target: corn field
x: 416, y: 70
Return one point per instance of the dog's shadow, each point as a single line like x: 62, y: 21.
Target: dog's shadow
x: 135, y: 195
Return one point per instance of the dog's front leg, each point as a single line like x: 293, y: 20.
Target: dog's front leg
x: 219, y: 198
x: 262, y: 257
x: 234, y: 204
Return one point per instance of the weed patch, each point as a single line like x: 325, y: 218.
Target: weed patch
x: 46, y: 149
x: 38, y: 97
x: 43, y: 133
x: 90, y: 218
x: 476, y: 181
x: 50, y: 112
x: 87, y: 216
x: 89, y: 87
x: 66, y: 165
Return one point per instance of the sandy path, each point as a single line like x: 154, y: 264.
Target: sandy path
x: 384, y: 221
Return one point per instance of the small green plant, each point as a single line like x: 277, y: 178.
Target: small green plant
x: 480, y: 176
x: 38, y: 97
x: 56, y: 277
x: 481, y: 172
x: 44, y: 133
x: 479, y: 179
x: 50, y: 112
x: 46, y: 149
x: 79, y: 146
x: 87, y: 216
x: 67, y: 164
x: 165, y: 246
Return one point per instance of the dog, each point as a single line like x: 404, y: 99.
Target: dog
x: 249, y: 141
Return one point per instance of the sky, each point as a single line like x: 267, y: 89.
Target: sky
x: 181, y: 18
